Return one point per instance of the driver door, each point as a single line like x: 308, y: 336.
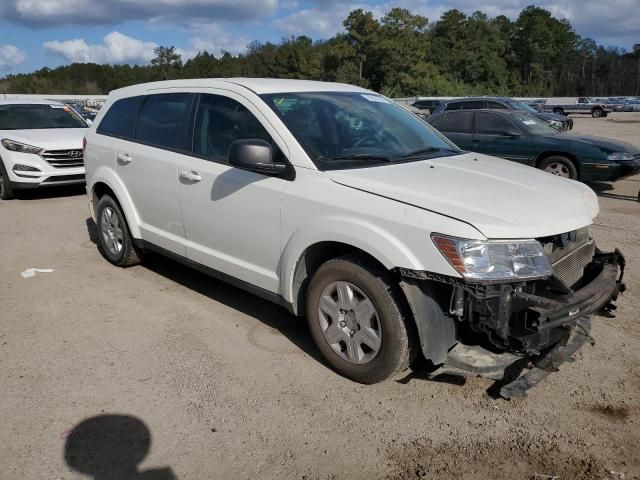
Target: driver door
x: 231, y: 216
x: 496, y: 135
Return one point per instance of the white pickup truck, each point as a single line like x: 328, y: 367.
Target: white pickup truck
x: 341, y: 206
x: 569, y: 105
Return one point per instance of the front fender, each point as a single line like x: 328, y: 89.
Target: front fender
x: 368, y: 237
x: 107, y: 176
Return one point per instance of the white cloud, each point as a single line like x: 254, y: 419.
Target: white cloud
x: 59, y: 12
x: 10, y: 56
x: 323, y: 22
x: 215, y: 40
x: 117, y: 48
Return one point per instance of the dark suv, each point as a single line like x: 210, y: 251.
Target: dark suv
x: 559, y: 122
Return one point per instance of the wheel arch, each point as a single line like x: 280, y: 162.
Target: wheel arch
x: 105, y: 182
x: 308, y: 248
x: 552, y: 153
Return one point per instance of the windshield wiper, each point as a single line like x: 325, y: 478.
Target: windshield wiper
x: 361, y: 156
x: 420, y: 151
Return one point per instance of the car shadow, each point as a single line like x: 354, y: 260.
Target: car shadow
x: 272, y: 315
x: 601, y: 189
x: 51, y: 192
x: 110, y: 447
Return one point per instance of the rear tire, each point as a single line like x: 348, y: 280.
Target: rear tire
x: 559, y: 165
x: 115, y: 242
x: 558, y: 111
x: 597, y: 113
x: 366, y: 347
x: 6, y: 191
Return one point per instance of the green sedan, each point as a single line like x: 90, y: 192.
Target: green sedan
x: 524, y: 138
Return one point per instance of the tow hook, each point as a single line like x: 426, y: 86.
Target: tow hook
x: 608, y: 309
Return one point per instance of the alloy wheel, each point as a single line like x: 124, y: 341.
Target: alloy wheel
x: 558, y: 169
x: 349, y: 322
x: 111, y: 231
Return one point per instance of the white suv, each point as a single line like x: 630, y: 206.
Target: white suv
x: 343, y: 207
x: 40, y: 145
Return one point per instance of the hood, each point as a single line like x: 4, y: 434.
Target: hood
x: 605, y: 143
x: 500, y: 198
x: 49, y: 139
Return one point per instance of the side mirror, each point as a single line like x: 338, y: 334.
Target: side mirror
x: 255, y: 155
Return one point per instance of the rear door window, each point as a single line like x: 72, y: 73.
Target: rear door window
x: 454, y: 122
x: 164, y: 121
x: 489, y: 123
x: 120, y: 120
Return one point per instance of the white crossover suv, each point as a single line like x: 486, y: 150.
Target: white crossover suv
x: 338, y: 204
x: 40, y: 145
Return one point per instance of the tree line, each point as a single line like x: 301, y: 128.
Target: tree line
x: 400, y: 54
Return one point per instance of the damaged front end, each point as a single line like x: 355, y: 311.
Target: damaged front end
x: 516, y: 332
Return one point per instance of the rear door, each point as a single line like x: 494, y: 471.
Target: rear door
x: 496, y: 135
x: 457, y: 126
x: 149, y: 163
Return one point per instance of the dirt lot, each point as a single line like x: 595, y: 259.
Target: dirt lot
x: 216, y: 383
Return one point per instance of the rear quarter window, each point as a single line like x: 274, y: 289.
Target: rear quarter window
x: 120, y: 119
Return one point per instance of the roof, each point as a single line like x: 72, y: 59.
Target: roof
x: 256, y: 85
x: 466, y: 99
x: 493, y: 110
x: 28, y: 101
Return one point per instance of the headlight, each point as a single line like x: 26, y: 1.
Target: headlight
x: 19, y: 147
x: 616, y: 156
x: 491, y: 260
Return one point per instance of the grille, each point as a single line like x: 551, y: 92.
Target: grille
x: 63, y: 158
x: 570, y: 268
x: 64, y: 178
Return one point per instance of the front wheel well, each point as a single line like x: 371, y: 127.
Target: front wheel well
x: 311, y: 259
x: 545, y: 155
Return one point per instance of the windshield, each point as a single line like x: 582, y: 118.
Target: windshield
x: 341, y: 130
x: 523, y: 107
x: 39, y: 116
x: 533, y: 125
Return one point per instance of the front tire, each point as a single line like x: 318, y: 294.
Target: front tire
x: 115, y: 242
x: 6, y: 192
x: 356, y: 318
x: 560, y: 166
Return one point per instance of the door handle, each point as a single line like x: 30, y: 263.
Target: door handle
x: 190, y: 176
x: 124, y: 157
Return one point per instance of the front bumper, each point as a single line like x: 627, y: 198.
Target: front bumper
x: 530, y: 333
x: 45, y: 174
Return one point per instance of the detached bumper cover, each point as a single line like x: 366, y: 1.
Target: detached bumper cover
x: 591, y: 298
x: 567, y: 315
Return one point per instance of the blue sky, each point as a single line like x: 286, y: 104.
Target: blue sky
x: 38, y: 33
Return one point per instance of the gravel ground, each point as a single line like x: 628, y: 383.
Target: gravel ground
x: 166, y: 374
